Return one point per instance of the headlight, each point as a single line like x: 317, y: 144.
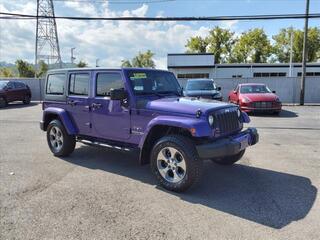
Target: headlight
x: 246, y: 100
x: 239, y: 113
x: 211, y: 120
x: 277, y: 100
x: 218, y: 95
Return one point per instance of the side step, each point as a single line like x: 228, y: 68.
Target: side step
x: 101, y: 144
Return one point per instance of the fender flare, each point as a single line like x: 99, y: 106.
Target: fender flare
x: 63, y: 116
x: 201, y: 126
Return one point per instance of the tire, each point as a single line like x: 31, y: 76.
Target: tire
x: 175, y: 163
x: 60, y: 143
x: 277, y: 113
x: 3, y: 102
x: 26, y: 99
x: 230, y: 159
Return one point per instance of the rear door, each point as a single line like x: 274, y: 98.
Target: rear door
x: 20, y: 90
x: 78, y: 100
x: 110, y: 118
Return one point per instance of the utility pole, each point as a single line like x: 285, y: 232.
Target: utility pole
x: 72, y: 57
x: 291, y: 52
x: 47, y: 44
x: 304, y: 54
x: 97, y: 62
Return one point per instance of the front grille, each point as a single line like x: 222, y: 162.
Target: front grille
x: 262, y: 104
x: 226, y: 121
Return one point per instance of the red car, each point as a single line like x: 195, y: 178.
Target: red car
x: 11, y: 91
x: 255, y: 97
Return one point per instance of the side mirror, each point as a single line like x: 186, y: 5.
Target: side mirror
x: 273, y: 91
x: 118, y: 94
x: 219, y: 88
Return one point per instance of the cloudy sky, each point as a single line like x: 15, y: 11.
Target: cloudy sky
x: 113, y: 41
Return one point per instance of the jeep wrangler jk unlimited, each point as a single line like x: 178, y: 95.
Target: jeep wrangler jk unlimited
x: 144, y: 110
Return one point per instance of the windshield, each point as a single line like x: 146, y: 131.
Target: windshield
x: 153, y: 82
x: 201, y: 85
x: 254, y: 89
x: 3, y: 84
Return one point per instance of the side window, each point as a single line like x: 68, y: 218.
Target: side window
x: 108, y: 81
x: 79, y: 84
x: 19, y: 85
x: 11, y: 85
x: 55, y: 84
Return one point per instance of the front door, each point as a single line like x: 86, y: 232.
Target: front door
x: 78, y: 101
x: 110, y: 118
x: 11, y: 92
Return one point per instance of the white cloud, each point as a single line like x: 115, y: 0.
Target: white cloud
x: 109, y: 41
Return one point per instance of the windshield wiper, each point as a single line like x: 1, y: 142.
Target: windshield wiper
x: 170, y: 92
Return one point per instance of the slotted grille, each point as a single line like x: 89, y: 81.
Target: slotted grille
x: 227, y: 121
x: 262, y: 104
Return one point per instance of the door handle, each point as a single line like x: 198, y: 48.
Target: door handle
x: 73, y: 102
x: 96, y: 106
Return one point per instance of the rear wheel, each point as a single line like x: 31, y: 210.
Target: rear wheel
x: 175, y: 163
x: 229, y: 160
x: 60, y: 143
x: 26, y: 99
x: 3, y: 102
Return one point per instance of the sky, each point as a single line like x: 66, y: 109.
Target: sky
x: 111, y: 41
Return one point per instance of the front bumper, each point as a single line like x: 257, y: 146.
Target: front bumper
x: 228, y: 146
x: 42, y: 125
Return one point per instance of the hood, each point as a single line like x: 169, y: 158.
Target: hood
x: 201, y: 92
x: 185, y: 105
x: 257, y: 97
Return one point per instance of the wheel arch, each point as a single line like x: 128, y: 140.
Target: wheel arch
x: 50, y: 114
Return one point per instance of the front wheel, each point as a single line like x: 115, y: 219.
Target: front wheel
x: 3, y: 102
x: 60, y: 143
x: 175, y: 163
x: 229, y: 160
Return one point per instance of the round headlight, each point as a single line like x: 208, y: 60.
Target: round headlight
x: 211, y: 120
x: 239, y: 113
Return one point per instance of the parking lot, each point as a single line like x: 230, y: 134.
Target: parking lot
x: 104, y: 194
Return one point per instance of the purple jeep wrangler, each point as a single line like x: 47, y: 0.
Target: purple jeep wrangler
x: 144, y: 110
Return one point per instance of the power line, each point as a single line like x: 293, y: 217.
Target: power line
x: 162, y: 19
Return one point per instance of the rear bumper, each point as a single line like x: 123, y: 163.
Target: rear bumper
x: 42, y: 125
x: 229, y: 146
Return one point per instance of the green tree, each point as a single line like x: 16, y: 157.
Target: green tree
x: 282, y: 45
x: 253, y: 46
x: 6, y: 72
x: 25, y: 69
x: 219, y: 42
x: 141, y: 60
x: 43, y: 69
x: 82, y: 64
x: 196, y: 45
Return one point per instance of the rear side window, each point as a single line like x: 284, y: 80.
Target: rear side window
x: 108, y: 81
x: 19, y: 85
x: 79, y: 84
x: 55, y: 84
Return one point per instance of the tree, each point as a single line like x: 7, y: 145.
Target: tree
x: 253, y: 46
x: 141, y: 60
x: 196, y: 45
x: 82, y: 64
x: 43, y: 69
x: 25, y: 69
x: 219, y: 42
x: 6, y: 72
x: 282, y: 45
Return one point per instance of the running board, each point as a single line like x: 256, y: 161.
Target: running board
x: 101, y: 144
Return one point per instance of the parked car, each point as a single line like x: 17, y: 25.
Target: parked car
x: 11, y: 91
x: 204, y: 88
x: 143, y: 110
x: 255, y: 97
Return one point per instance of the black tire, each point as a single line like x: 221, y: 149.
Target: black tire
x: 68, y: 142
x: 26, y: 99
x: 192, y: 163
x: 3, y: 102
x: 277, y: 113
x: 229, y: 160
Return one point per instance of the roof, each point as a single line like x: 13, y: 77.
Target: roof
x: 103, y: 69
x: 248, y: 84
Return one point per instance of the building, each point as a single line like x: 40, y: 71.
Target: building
x: 187, y: 66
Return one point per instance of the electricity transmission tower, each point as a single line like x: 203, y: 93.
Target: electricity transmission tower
x: 47, y: 43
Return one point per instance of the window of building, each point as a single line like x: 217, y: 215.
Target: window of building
x: 108, y: 81
x: 309, y: 74
x: 79, y: 84
x: 236, y: 76
x: 269, y: 74
x: 193, y: 75
x: 55, y: 84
